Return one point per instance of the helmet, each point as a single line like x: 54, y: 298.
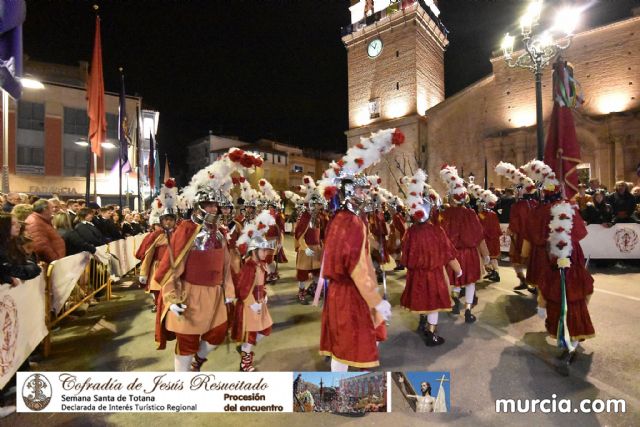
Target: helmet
x: 259, y: 242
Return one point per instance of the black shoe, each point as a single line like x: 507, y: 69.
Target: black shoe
x: 487, y: 276
x: 495, y: 276
x: 399, y: 267
x: 463, y: 292
x: 565, y: 361
x: 521, y: 287
x: 455, y: 308
x: 533, y: 290
x: 311, y: 290
x: 468, y: 317
x: 433, y: 339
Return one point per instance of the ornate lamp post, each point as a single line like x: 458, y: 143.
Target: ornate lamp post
x: 540, y: 49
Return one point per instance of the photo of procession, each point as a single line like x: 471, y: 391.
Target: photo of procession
x: 344, y: 393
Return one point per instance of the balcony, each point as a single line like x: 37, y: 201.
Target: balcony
x: 400, y: 6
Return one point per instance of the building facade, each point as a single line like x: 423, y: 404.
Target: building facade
x: 494, y: 118
x: 47, y: 128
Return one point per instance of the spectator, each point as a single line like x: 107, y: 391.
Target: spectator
x: 22, y: 211
x: 581, y: 198
x: 106, y: 225
x: 503, y: 207
x: 13, y: 262
x: 11, y: 200
x: 72, y: 209
x: 622, y: 203
x: 55, y: 206
x: 31, y: 199
x: 136, y: 227
x: 598, y: 211
x: 49, y: 246
x: 594, y: 186
x: 73, y: 242
x: 117, y: 220
x: 635, y: 192
x: 87, y: 230
x: 81, y: 204
x: 127, y: 230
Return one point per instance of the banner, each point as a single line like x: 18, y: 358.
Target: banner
x: 622, y: 241
x: 22, y: 324
x: 242, y: 392
x: 65, y: 273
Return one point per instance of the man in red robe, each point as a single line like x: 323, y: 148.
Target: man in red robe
x: 520, y: 212
x: 354, y: 312
x: 492, y: 232
x: 308, y: 246
x: 398, y: 231
x: 195, y: 276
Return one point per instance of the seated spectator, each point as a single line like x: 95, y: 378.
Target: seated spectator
x: 87, y: 230
x: 581, y: 198
x: 11, y: 200
x: 622, y: 203
x: 49, y: 246
x: 13, y: 262
x: 22, y: 211
x: 73, y: 242
x: 598, y: 211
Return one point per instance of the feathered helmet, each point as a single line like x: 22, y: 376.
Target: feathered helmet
x: 294, y: 198
x: 542, y: 173
x: 484, y: 197
x: 168, y: 198
x: 346, y: 174
x: 271, y: 196
x: 457, y: 190
x: 418, y: 203
x: 252, y: 236
x: 156, y: 210
x: 250, y: 195
x: 514, y: 175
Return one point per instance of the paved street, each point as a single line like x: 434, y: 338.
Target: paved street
x: 506, y: 354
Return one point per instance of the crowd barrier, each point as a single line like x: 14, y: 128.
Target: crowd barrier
x: 68, y: 284
x: 621, y: 241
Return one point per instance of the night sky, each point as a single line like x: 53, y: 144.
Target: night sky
x: 270, y: 68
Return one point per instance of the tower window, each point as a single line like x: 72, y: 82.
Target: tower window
x: 397, y: 53
x: 397, y: 85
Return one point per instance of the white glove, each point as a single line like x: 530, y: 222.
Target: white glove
x: 256, y: 307
x: 384, y: 308
x: 309, y: 252
x: 178, y: 309
x: 542, y: 312
x: 229, y: 300
x: 486, y: 259
x: 459, y: 274
x: 142, y: 280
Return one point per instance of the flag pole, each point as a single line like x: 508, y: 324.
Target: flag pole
x: 138, y: 158
x: 122, y: 140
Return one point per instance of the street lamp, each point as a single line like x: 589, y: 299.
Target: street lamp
x: 540, y: 49
x: 27, y: 83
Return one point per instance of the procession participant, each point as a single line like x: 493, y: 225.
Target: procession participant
x: 378, y: 227
x: 426, y: 251
x: 195, y: 273
x: 398, y: 231
x: 153, y: 247
x: 520, y: 211
x: 308, y: 246
x: 252, y: 321
x: 250, y: 197
x: 463, y: 228
x: 353, y: 313
x: 485, y: 202
x: 276, y: 231
x: 565, y: 286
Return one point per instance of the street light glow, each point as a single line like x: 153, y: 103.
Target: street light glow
x: 108, y: 145
x: 526, y: 22
x: 29, y: 83
x: 534, y: 10
x: 567, y: 20
x: 81, y: 143
x: 507, y: 44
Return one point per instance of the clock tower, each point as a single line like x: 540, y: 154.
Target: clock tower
x: 395, y: 54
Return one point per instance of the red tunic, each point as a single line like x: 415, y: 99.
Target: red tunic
x: 398, y: 231
x: 579, y: 285
x: 379, y: 230
x: 536, y: 232
x: 243, y: 288
x: 425, y: 252
x: 492, y: 232
x: 463, y: 228
x: 517, y: 223
x: 146, y: 243
x: 350, y: 324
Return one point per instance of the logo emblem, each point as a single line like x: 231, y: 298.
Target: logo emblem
x: 36, y: 392
x: 626, y: 239
x: 8, y: 333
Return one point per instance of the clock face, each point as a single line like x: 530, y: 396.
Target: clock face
x: 374, y: 48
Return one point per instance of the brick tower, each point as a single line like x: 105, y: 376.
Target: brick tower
x: 395, y: 54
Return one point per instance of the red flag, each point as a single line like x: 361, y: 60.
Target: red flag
x: 95, y: 94
x: 562, y: 151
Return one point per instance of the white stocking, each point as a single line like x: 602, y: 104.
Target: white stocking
x: 432, y: 318
x: 575, y: 344
x: 338, y: 366
x: 246, y: 347
x: 205, y: 348
x: 259, y: 338
x: 456, y: 289
x: 302, y: 285
x: 469, y: 292
x: 182, y: 363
